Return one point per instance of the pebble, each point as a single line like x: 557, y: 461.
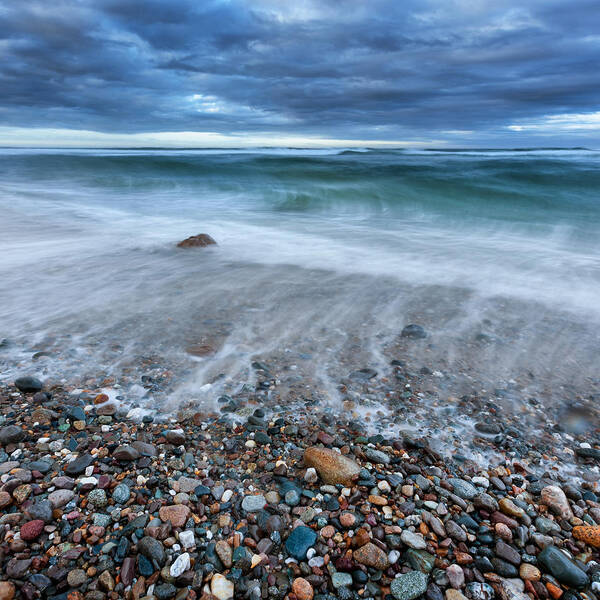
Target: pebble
x: 562, y: 567
x: 332, y: 466
x: 180, y: 565
x: 409, y: 586
x: 221, y: 587
x: 413, y: 540
x: 302, y: 589
x: 299, y: 541
x: 556, y: 500
x: 253, y: 503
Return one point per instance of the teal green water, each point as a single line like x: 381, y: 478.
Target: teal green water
x: 329, y: 239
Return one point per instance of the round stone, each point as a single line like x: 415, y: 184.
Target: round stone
x: 121, y: 493
x: 32, y: 529
x: 302, y: 589
x: 97, y: 498
x: 76, y: 577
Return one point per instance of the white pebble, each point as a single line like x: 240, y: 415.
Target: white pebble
x: 482, y: 481
x: 393, y: 557
x: 311, y: 475
x: 227, y: 494
x: 384, y: 486
x: 187, y: 539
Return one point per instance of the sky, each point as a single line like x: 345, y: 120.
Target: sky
x: 454, y: 73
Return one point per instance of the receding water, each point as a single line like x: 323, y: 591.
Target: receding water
x: 323, y: 257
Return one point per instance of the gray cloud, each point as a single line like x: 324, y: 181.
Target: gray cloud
x: 383, y: 69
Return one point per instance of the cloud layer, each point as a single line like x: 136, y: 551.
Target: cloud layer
x: 460, y: 71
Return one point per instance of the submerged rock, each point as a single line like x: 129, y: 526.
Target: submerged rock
x: 414, y: 331
x: 197, y: 241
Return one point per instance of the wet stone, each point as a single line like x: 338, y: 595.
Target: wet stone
x: 299, y: 541
x: 562, y: 567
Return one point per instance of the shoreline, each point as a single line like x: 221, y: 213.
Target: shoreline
x: 89, y: 499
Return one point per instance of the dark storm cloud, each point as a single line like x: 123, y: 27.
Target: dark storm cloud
x: 382, y: 69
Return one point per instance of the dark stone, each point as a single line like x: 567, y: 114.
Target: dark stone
x: 11, y: 434
x: 79, y: 465
x: 562, y: 567
x: 414, y: 331
x: 152, y: 549
x: 299, y: 541
x: 28, y: 385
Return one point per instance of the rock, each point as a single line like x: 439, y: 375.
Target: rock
x: 479, y: 591
x: 127, y: 572
x: 76, y: 577
x: 224, y: 552
x: 31, y: 530
x: 7, y: 590
x: 413, y: 540
x: 363, y: 374
x: 79, y: 465
x: 17, y: 568
x: 452, y: 594
x: 121, y: 494
x: 197, y: 241
x: 253, y: 503
x: 59, y: 498
x: 164, y: 591
x: 413, y: 331
x: 176, y: 514
x: 529, y: 572
x: 153, y: 550
x: 187, y: 485
x: 299, y: 541
x: 456, y: 576
x: 180, y: 565
x: 126, y: 453
x: 98, y: 498
x: 175, y: 437
x: 463, y: 489
x: 562, y: 567
x: 11, y: 434
x: 106, y: 581
x: 339, y: 579
x: 507, y: 590
x: 553, y: 497
x: 187, y: 539
x: 376, y: 456
x: 588, y: 534
x: 41, y: 510
x: 145, y: 449
x: 28, y: 384
x: 409, y: 586
x: 371, y: 556
x: 332, y: 466
x: 506, y: 552
x: 508, y: 507
x: 302, y: 589
x: 221, y: 588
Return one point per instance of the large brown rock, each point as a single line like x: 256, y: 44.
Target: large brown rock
x: 197, y: 241
x: 371, y: 556
x: 177, y: 514
x: 332, y: 466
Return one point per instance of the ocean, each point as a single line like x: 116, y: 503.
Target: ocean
x: 323, y: 257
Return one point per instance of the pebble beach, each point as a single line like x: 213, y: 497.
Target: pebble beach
x: 257, y: 500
